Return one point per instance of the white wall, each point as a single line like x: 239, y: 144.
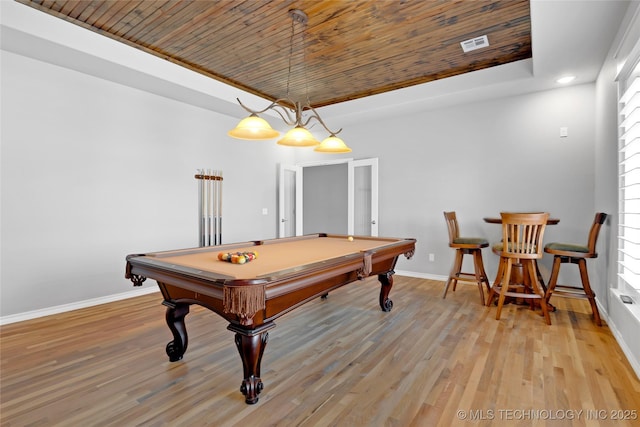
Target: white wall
x: 93, y: 170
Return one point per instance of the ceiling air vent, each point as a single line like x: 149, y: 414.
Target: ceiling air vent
x: 473, y: 44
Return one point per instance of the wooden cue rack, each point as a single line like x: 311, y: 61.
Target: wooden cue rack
x: 209, y: 206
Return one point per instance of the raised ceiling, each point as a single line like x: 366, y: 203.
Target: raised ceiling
x: 352, y: 49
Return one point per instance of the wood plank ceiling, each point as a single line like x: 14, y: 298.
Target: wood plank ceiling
x: 352, y: 48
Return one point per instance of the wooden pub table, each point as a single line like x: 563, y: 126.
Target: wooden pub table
x: 498, y: 220
x: 286, y: 274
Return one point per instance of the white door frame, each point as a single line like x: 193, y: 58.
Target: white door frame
x: 282, y: 215
x: 373, y: 164
x: 351, y: 164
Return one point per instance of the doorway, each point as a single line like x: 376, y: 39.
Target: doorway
x: 339, y: 196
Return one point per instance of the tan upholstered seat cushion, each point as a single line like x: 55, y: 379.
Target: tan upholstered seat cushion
x: 471, y: 241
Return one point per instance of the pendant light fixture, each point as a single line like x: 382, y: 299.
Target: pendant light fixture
x: 292, y: 112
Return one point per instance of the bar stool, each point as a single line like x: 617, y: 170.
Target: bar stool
x: 522, y: 235
x: 576, y: 254
x: 465, y: 246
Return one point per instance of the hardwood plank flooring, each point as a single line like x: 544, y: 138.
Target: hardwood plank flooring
x: 334, y: 362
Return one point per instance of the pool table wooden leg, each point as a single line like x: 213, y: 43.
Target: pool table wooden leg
x: 251, y: 348
x: 386, y: 283
x: 175, y: 320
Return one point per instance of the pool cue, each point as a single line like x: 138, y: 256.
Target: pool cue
x: 220, y: 208
x: 201, y: 219
x: 208, y: 207
x: 214, y: 201
x: 214, y: 205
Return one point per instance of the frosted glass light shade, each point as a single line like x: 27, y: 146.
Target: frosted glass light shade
x: 253, y: 128
x: 333, y: 144
x: 298, y: 137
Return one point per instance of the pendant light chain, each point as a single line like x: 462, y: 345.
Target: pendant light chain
x: 293, y: 27
x: 304, y: 65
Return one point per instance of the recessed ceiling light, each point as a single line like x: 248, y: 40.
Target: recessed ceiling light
x: 566, y: 79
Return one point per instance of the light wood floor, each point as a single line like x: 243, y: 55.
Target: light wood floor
x: 340, y: 361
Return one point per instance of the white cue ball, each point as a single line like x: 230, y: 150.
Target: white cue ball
x: 350, y: 238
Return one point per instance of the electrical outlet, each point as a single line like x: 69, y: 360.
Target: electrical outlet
x: 432, y: 257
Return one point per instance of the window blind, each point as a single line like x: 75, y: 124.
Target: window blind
x: 629, y: 183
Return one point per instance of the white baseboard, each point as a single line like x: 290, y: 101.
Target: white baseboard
x: 12, y: 318
x: 421, y: 275
x: 624, y: 322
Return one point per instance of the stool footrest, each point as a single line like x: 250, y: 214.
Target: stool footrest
x: 521, y: 295
x: 570, y: 292
x: 469, y: 276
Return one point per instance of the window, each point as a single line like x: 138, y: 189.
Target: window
x: 629, y: 183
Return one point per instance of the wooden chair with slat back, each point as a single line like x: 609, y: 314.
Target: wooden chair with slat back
x: 576, y: 254
x: 465, y: 246
x: 522, y: 235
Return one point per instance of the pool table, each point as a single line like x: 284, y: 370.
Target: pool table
x: 286, y: 273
